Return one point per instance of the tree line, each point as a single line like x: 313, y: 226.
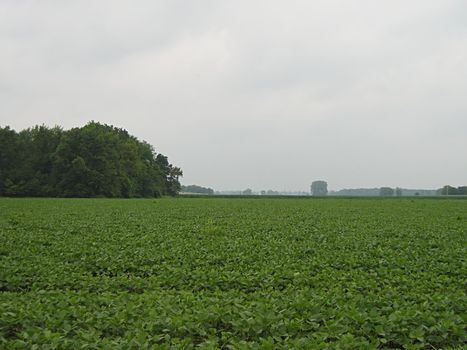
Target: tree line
x: 197, y: 189
x: 453, y: 191
x: 446, y: 190
x: 96, y: 160
x: 319, y: 188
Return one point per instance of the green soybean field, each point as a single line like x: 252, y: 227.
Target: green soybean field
x: 233, y: 273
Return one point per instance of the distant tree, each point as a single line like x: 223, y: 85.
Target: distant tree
x: 452, y: 191
x: 247, y: 192
x: 398, y: 191
x: 197, y: 189
x: 319, y: 188
x: 263, y: 192
x: 447, y: 191
x: 386, y: 191
x: 358, y: 192
x: 416, y: 194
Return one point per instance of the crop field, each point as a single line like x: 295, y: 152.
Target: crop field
x: 233, y: 273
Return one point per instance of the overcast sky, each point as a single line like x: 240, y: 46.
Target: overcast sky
x: 262, y: 94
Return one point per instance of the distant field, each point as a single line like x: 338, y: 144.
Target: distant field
x: 233, y: 273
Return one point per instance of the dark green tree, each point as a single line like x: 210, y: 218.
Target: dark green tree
x: 386, y: 192
x: 197, y: 189
x: 247, y: 192
x: 93, y: 160
x: 319, y: 188
x: 9, y: 160
x: 452, y: 191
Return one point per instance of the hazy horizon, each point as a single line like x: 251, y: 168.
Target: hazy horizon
x: 260, y: 95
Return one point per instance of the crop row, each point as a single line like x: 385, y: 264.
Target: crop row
x: 233, y: 273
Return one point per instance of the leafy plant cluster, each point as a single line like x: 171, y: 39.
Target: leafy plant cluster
x: 94, y: 160
x: 216, y: 273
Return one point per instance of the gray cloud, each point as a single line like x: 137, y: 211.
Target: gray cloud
x: 261, y: 94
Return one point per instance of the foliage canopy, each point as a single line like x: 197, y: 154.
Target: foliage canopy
x: 93, y: 160
x: 319, y: 188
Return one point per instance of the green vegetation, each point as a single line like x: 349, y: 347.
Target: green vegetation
x: 94, y: 160
x: 453, y: 191
x: 386, y: 191
x: 319, y: 188
x: 197, y: 189
x: 233, y: 273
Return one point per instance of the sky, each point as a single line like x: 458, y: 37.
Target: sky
x: 252, y: 94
